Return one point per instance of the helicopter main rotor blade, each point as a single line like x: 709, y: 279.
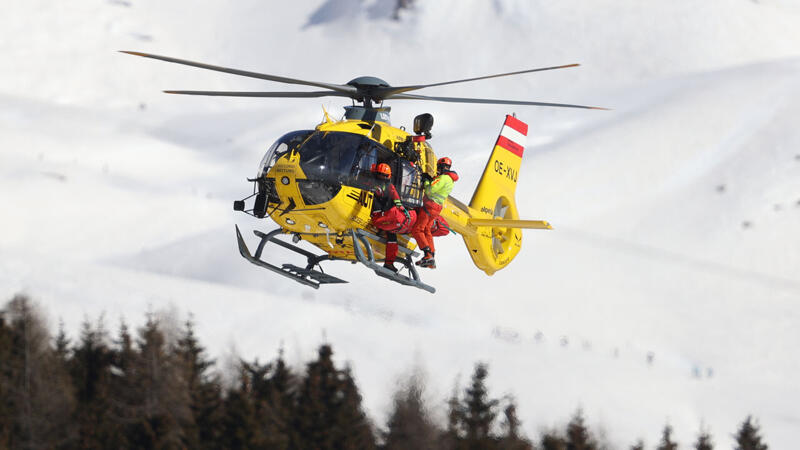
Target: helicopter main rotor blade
x: 263, y: 94
x: 487, y: 101
x: 343, y: 88
x: 392, y: 90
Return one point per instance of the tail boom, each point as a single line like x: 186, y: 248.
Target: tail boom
x: 490, y: 225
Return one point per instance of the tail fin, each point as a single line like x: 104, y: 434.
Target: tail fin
x: 493, y: 206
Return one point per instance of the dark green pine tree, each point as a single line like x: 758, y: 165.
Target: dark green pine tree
x: 274, y: 389
x: 578, y: 437
x: 240, y: 425
x: 124, y: 392
x: 37, y: 400
x: 271, y: 430
x: 453, y: 437
x: 283, y: 394
x: 90, y: 368
x: 748, y: 437
x: 328, y: 414
x: 666, y: 440
x: 161, y: 400
x: 6, y: 406
x: 409, y: 425
x: 639, y: 445
x: 353, y: 427
x: 553, y: 441
x: 512, y: 438
x: 62, y: 344
x: 316, y: 403
x: 201, y: 428
x: 704, y: 441
x: 479, y: 410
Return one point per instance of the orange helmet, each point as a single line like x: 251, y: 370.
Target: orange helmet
x: 383, y: 170
x: 444, y: 163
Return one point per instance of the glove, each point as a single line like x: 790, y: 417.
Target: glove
x: 426, y: 178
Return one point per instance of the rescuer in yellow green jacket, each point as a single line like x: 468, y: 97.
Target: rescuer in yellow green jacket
x: 436, y: 192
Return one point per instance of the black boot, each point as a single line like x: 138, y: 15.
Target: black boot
x: 427, y: 260
x: 391, y: 254
x: 430, y: 263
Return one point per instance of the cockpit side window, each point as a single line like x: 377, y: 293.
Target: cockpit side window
x: 369, y: 157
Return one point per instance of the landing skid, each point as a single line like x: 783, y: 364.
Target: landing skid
x: 313, y: 276
x: 308, y: 275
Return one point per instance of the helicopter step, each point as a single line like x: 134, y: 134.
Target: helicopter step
x: 304, y: 275
x: 368, y: 259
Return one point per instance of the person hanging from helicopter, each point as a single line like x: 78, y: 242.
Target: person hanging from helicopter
x: 436, y: 192
x: 388, y: 213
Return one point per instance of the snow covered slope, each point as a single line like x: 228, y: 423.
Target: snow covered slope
x: 676, y: 214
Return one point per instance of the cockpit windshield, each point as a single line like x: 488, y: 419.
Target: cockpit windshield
x: 285, y: 143
x: 332, y: 156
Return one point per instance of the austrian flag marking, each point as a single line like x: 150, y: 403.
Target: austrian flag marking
x: 513, y: 136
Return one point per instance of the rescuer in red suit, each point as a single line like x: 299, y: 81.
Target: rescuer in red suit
x: 436, y: 192
x: 388, y: 214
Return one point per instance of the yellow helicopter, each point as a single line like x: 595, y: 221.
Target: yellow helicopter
x: 316, y: 184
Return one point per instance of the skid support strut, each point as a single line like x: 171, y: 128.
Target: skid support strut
x: 360, y: 237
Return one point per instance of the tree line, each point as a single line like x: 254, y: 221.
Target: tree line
x: 155, y: 389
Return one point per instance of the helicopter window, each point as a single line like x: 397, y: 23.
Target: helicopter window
x: 285, y: 143
x: 330, y: 156
x: 342, y: 158
x: 410, y: 183
x: 332, y: 159
x: 368, y: 158
x: 316, y: 192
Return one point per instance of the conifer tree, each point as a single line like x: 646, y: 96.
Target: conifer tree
x: 552, y: 441
x: 240, y: 426
x: 512, y: 438
x: 639, y: 445
x: 479, y: 410
x: 262, y: 396
x: 453, y: 435
x: 329, y: 413
x: 704, y: 441
x: 316, y: 403
x: 578, y: 437
x: 748, y: 437
x: 123, y: 391
x: 409, y: 425
x: 354, y: 428
x: 90, y: 368
x: 6, y: 407
x: 666, y: 440
x: 283, y: 393
x: 273, y: 392
x: 161, y: 403
x: 62, y: 344
x: 37, y: 398
x: 202, y: 425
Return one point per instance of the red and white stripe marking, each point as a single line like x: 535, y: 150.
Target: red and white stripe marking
x: 513, y: 136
